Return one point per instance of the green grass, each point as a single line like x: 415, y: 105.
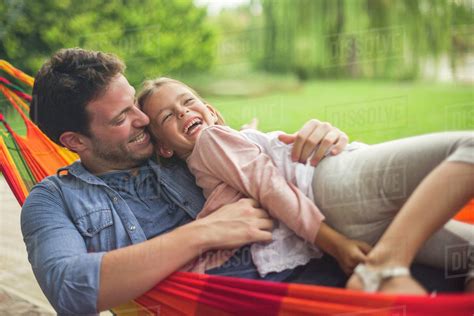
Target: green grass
x: 369, y: 111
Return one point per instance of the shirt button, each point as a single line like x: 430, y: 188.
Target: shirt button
x: 132, y: 228
x: 115, y: 199
x: 89, y: 230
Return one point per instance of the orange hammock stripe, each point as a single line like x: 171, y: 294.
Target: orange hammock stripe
x: 16, y: 73
x: 202, y: 295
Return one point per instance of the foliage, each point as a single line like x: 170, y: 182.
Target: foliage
x: 153, y: 36
x: 361, y: 38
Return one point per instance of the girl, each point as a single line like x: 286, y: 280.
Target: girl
x: 360, y: 192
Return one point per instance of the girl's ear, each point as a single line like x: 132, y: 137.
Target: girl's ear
x: 75, y: 142
x: 213, y: 113
x: 164, y: 151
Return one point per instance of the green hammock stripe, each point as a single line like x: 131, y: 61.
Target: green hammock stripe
x: 25, y: 172
x: 12, y: 86
x: 14, y: 82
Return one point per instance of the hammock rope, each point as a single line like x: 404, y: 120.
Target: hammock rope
x: 26, y: 160
x: 15, y: 148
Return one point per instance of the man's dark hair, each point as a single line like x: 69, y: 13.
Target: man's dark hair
x: 65, y: 84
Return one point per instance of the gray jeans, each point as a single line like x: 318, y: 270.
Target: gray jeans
x: 361, y: 191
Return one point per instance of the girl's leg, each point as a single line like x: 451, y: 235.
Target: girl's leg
x: 361, y: 191
x: 450, y: 248
x: 444, y: 191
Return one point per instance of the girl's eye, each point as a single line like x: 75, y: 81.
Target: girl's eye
x: 166, y: 117
x: 190, y: 100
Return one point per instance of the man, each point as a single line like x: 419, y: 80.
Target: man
x: 104, y: 230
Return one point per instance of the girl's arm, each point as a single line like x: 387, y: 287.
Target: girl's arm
x: 223, y: 155
x: 348, y: 253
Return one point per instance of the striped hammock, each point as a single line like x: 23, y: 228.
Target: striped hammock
x: 28, y: 157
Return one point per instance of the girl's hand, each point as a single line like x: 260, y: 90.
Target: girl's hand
x: 315, y: 140
x: 350, y: 253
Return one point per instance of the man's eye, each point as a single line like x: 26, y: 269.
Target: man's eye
x: 120, y: 121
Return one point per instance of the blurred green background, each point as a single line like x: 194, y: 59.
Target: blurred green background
x: 377, y: 69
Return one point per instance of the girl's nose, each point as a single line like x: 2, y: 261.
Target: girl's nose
x: 182, y: 113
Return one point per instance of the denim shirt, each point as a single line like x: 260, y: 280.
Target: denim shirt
x: 71, y: 219
x: 155, y: 212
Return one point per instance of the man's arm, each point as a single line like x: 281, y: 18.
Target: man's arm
x: 76, y: 281
x: 129, y: 272
x: 65, y: 271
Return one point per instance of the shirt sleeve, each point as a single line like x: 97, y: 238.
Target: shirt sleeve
x: 224, y: 154
x: 264, y: 140
x: 68, y: 275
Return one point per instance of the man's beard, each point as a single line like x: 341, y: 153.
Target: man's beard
x: 118, y: 155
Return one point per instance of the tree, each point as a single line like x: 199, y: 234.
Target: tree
x: 154, y: 37
x: 361, y: 38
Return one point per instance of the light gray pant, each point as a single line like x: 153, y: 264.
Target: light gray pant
x: 361, y: 191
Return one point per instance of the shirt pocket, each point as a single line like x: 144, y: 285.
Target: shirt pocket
x: 96, y: 229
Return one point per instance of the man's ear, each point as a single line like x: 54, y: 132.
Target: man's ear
x: 73, y: 141
x: 164, y: 151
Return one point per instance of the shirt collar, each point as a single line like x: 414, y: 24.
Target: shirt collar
x: 77, y: 170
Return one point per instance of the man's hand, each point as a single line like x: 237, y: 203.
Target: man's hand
x: 236, y: 224
x: 314, y: 140
x: 350, y: 253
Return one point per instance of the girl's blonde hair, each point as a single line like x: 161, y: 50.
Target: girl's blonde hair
x: 151, y: 86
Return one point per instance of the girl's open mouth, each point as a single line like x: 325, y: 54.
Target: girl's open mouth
x: 192, y: 126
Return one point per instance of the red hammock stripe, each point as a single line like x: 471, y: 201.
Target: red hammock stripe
x: 12, y: 176
x: 17, y: 90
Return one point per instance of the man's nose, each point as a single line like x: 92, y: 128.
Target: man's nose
x: 141, y: 118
